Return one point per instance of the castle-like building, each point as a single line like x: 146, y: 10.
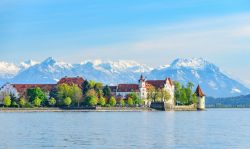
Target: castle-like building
x: 142, y: 88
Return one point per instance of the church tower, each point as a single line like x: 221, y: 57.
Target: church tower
x: 200, y: 98
x: 142, y: 88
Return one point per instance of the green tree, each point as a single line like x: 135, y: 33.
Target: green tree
x: 164, y: 94
x: 130, y: 102
x: 7, y: 101
x: 91, y: 92
x: 77, y: 95
x: 112, y: 101
x: 189, y: 95
x: 122, y: 103
x: 53, y: 93
x: 13, y: 97
x: 135, y: 97
x: 85, y: 87
x: 22, y: 102
x: 67, y: 101
x: 183, y: 96
x: 14, y: 104
x: 98, y: 86
x: 37, y: 102
x: 91, y: 100
x: 92, y: 84
x: 34, y: 93
x: 157, y: 95
x: 190, y: 85
x: 107, y: 91
x: 151, y: 93
x: 52, y: 101
x: 194, y: 99
x: 102, y: 101
x: 177, y: 93
x: 64, y: 91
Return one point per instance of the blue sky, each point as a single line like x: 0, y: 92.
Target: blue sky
x: 150, y: 32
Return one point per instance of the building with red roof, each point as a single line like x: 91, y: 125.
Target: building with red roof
x: 20, y: 90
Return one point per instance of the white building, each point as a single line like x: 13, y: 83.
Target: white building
x: 8, y: 89
x: 143, y: 86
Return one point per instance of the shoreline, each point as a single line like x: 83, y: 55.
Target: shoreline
x: 102, y: 109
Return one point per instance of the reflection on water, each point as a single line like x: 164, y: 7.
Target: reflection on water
x: 214, y: 128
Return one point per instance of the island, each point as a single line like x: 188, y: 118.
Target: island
x: 78, y: 94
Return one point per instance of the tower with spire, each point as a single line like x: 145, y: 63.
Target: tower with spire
x: 142, y: 88
x: 200, y: 98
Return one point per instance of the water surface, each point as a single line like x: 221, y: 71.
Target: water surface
x: 214, y: 128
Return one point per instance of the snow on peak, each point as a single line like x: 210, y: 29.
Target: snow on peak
x: 193, y: 63
x: 27, y: 64
x: 116, y: 66
x: 52, y: 62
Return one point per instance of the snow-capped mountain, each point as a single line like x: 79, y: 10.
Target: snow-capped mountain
x: 199, y: 71
x: 108, y: 72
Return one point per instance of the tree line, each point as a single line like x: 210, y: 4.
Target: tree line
x: 89, y: 94
x: 184, y: 95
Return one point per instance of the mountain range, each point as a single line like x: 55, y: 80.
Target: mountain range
x: 197, y: 70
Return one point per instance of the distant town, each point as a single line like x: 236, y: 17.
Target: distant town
x: 78, y: 93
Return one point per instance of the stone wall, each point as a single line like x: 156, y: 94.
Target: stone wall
x: 192, y: 107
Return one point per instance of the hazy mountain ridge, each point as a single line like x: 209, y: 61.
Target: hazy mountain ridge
x: 197, y: 70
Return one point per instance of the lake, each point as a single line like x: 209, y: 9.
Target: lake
x: 214, y: 128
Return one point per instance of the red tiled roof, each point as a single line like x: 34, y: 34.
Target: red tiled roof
x: 156, y: 83
x: 22, y: 88
x: 128, y: 88
x: 199, y: 92
x: 72, y: 80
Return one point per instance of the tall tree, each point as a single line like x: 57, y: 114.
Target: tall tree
x: 112, y: 101
x: 164, y: 95
x: 64, y: 91
x: 107, y: 91
x: 76, y: 94
x: 85, y: 87
x: 183, y: 96
x: 177, y: 93
x: 151, y: 93
x: 67, y: 101
x: 37, y: 92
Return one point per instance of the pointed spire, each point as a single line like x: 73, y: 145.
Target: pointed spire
x: 142, y: 78
x: 199, y: 91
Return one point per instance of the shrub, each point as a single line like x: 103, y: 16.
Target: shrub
x: 7, y: 101
x: 22, y: 102
x: 37, y: 102
x: 52, y: 101
x: 28, y: 105
x: 14, y: 104
x: 112, y: 101
x: 67, y: 101
x: 102, y: 101
x: 122, y: 103
x: 92, y: 100
x: 130, y: 102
